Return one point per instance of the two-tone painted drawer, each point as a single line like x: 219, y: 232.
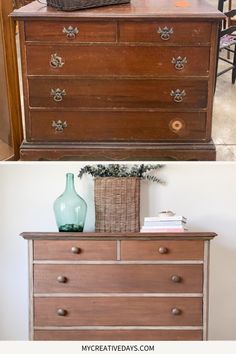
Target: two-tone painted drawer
x: 74, y: 250
x: 117, y: 311
x: 118, y: 278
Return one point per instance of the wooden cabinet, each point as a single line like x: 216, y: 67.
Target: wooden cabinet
x: 10, y: 111
x: 128, y: 82
x: 102, y: 286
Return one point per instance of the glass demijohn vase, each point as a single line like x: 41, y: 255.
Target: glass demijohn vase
x: 70, y: 209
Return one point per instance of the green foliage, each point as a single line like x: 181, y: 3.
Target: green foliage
x: 119, y: 170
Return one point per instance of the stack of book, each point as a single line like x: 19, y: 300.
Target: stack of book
x: 163, y: 223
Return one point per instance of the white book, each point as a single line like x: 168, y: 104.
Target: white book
x: 165, y: 218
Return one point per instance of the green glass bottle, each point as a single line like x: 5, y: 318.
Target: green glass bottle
x: 70, y: 209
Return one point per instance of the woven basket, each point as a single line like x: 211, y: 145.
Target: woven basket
x: 72, y: 5
x: 117, y: 204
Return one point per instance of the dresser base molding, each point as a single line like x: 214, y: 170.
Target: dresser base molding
x: 114, y: 152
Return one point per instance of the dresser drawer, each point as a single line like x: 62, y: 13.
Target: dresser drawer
x: 74, y: 250
x: 120, y: 278
x: 71, y: 31
x: 165, y: 32
x: 118, y: 60
x: 118, y: 126
x: 121, y: 93
x: 117, y: 311
x: 162, y: 250
x: 118, y: 335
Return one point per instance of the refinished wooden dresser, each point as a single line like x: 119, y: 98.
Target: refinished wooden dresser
x: 127, y: 82
x: 102, y: 286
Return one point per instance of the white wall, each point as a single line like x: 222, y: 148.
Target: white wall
x: 204, y: 192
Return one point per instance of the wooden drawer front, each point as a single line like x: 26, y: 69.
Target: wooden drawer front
x: 71, y: 31
x: 121, y: 93
x: 162, y: 250
x: 119, y: 60
x: 182, y: 33
x: 74, y: 250
x: 118, y: 126
x: 118, y: 335
x: 125, y: 311
x: 125, y: 278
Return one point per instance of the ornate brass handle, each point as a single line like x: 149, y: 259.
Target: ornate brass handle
x: 70, y: 32
x: 176, y: 278
x: 178, y: 95
x: 59, y: 125
x: 163, y: 250
x: 165, y: 33
x: 62, y: 312
x: 56, y: 61
x: 179, y: 62
x: 75, y: 250
x: 176, y: 125
x: 61, y: 279
x: 175, y: 311
x: 58, y: 94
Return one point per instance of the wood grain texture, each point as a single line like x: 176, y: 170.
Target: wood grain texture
x: 118, y: 278
x: 116, y: 61
x: 116, y: 126
x: 121, y: 93
x: 137, y: 335
x: 61, y: 250
x: 176, y: 250
x: 125, y: 311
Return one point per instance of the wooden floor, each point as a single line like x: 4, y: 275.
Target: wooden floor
x: 6, y: 151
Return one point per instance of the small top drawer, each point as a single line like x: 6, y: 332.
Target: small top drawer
x: 162, y: 250
x: 74, y: 250
x: 165, y: 32
x: 70, y: 32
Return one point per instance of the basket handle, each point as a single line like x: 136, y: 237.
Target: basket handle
x: 41, y: 2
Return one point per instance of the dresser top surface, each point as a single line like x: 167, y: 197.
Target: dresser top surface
x: 199, y: 9
x: 118, y: 236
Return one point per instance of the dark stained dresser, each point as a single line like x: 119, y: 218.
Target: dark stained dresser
x: 127, y: 82
x: 102, y: 286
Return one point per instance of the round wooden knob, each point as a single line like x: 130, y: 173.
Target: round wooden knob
x: 61, y: 312
x: 163, y: 250
x: 75, y: 250
x: 175, y: 311
x: 61, y: 279
x: 176, y: 278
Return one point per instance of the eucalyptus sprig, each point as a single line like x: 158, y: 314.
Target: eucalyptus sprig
x: 120, y: 170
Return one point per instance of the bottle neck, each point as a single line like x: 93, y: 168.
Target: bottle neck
x: 70, y: 187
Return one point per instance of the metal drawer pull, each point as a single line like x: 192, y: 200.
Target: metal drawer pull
x: 165, y: 33
x: 163, y: 250
x: 59, y: 125
x: 176, y: 125
x: 175, y: 311
x: 70, y: 32
x: 176, y: 278
x: 179, y: 62
x: 178, y: 95
x: 61, y: 279
x: 56, y: 61
x: 75, y: 250
x: 62, y: 312
x: 58, y: 94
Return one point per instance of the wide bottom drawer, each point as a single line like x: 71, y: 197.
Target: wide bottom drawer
x: 118, y: 311
x: 118, y: 335
x: 116, y: 126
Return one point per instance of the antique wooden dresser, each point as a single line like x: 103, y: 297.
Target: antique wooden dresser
x: 102, y: 286
x: 127, y: 82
